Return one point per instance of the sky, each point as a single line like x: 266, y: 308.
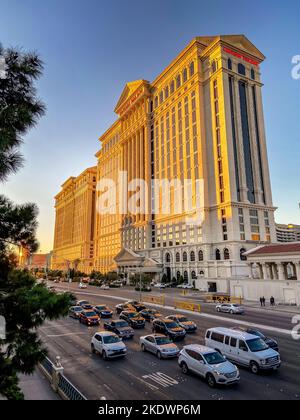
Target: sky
x: 92, y: 48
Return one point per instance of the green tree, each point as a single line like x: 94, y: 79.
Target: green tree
x: 24, y: 304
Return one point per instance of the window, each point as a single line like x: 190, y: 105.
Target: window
x: 252, y: 74
x: 226, y: 254
x: 192, y: 256
x: 233, y: 342
x: 242, y: 254
x: 161, y: 97
x: 193, y: 275
x: 200, y: 255
x: 227, y: 340
x: 218, y: 255
x: 172, y: 87
x: 192, y: 69
x: 242, y: 345
x: 178, y: 275
x: 185, y: 276
x: 177, y: 257
x: 242, y: 69
x: 178, y: 81
x: 217, y: 337
x: 229, y: 64
x: 184, y: 75
x: 213, y: 66
x: 167, y: 92
x: 168, y: 258
x: 156, y: 102
x: 184, y: 256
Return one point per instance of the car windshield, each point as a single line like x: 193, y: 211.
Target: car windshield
x: 182, y: 319
x: 101, y: 308
x: 77, y: 309
x: 110, y: 339
x: 257, y: 344
x: 214, y: 358
x: 91, y: 313
x: 171, y: 324
x: 236, y: 305
x: 132, y: 314
x: 258, y: 333
x: 162, y: 340
x: 84, y: 302
x: 121, y: 324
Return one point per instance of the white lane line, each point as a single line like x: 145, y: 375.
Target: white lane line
x: 64, y: 335
x: 204, y: 315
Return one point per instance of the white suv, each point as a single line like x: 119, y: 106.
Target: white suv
x: 209, y: 364
x: 108, y: 344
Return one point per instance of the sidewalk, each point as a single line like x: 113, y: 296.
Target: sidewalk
x: 37, y: 387
x: 277, y: 308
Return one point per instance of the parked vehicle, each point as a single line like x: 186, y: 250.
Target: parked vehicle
x: 242, y: 348
x: 184, y: 322
x: 138, y: 306
x: 103, y: 311
x: 124, y: 307
x: 87, y: 307
x: 119, y: 327
x: 231, y: 308
x: 104, y: 287
x: 160, y: 285
x: 75, y: 311
x: 168, y: 327
x: 187, y: 286
x: 82, y: 286
x: 150, y: 314
x: 108, y: 345
x: 82, y: 302
x: 134, y: 319
x: 273, y: 344
x: 160, y: 345
x: 209, y: 364
x: 89, y: 318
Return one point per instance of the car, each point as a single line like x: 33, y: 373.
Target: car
x: 209, y: 364
x: 82, y: 302
x: 75, y: 311
x: 119, y: 327
x: 184, y: 322
x: 231, y: 308
x: 82, y: 286
x: 87, y: 306
x: 89, y: 318
x: 108, y: 345
x: 168, y: 327
x: 160, y: 345
x: 273, y: 344
x: 150, y: 314
x: 160, y: 285
x: 138, y: 306
x: 123, y: 307
x: 134, y: 319
x: 104, y: 287
x: 242, y: 348
x: 103, y: 311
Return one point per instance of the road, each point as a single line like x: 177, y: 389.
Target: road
x: 142, y: 376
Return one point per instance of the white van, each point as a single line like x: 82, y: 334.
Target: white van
x: 243, y: 348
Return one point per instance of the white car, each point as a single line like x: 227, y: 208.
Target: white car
x: 108, y: 344
x: 187, y: 286
x: 104, y: 287
x: 82, y: 286
x: 231, y: 308
x: 160, y: 345
x: 209, y: 364
x: 160, y: 285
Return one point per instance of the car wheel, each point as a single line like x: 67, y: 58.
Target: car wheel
x: 218, y: 310
x: 93, y: 349
x: 184, y: 368
x: 158, y: 354
x: 254, y: 368
x: 211, y: 380
x: 104, y: 355
x: 231, y: 311
x: 143, y: 347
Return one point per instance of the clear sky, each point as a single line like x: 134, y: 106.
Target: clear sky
x: 92, y: 48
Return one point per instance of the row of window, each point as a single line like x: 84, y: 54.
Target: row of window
x: 226, y: 256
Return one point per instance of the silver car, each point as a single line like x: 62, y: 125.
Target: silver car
x: 162, y: 346
x: 209, y: 364
x: 231, y: 308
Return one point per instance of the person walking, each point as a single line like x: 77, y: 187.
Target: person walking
x: 272, y: 301
x: 263, y: 301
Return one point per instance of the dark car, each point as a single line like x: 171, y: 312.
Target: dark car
x: 75, y: 311
x: 103, y: 311
x: 134, y: 319
x: 269, y: 341
x: 138, y: 306
x: 82, y: 302
x: 89, y: 318
x: 123, y: 307
x: 119, y: 327
x: 87, y: 307
x: 168, y: 327
x: 184, y: 322
x: 150, y: 314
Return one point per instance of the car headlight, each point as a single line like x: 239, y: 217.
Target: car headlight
x: 263, y: 361
x: 218, y: 373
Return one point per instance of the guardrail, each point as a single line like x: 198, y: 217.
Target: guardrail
x: 59, y: 383
x: 159, y: 300
x: 189, y: 306
x: 223, y: 299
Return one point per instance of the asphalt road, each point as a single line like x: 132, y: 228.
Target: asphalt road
x: 142, y: 376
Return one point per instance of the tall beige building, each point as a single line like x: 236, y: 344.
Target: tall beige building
x: 74, y: 223
x: 200, y: 119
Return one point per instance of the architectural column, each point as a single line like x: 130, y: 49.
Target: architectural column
x: 250, y: 265
x: 281, y: 274
x: 297, y: 265
x: 265, y: 271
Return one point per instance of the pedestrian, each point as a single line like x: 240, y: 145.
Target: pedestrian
x: 272, y: 301
x: 263, y: 301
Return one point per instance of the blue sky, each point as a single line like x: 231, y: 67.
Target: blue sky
x: 92, y: 48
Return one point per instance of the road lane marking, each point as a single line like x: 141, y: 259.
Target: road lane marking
x: 64, y: 335
x: 161, y: 379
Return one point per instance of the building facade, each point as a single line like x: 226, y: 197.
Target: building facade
x: 287, y: 233
x: 74, y: 223
x: 196, y: 137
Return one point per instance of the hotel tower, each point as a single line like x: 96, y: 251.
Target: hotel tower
x: 200, y: 119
